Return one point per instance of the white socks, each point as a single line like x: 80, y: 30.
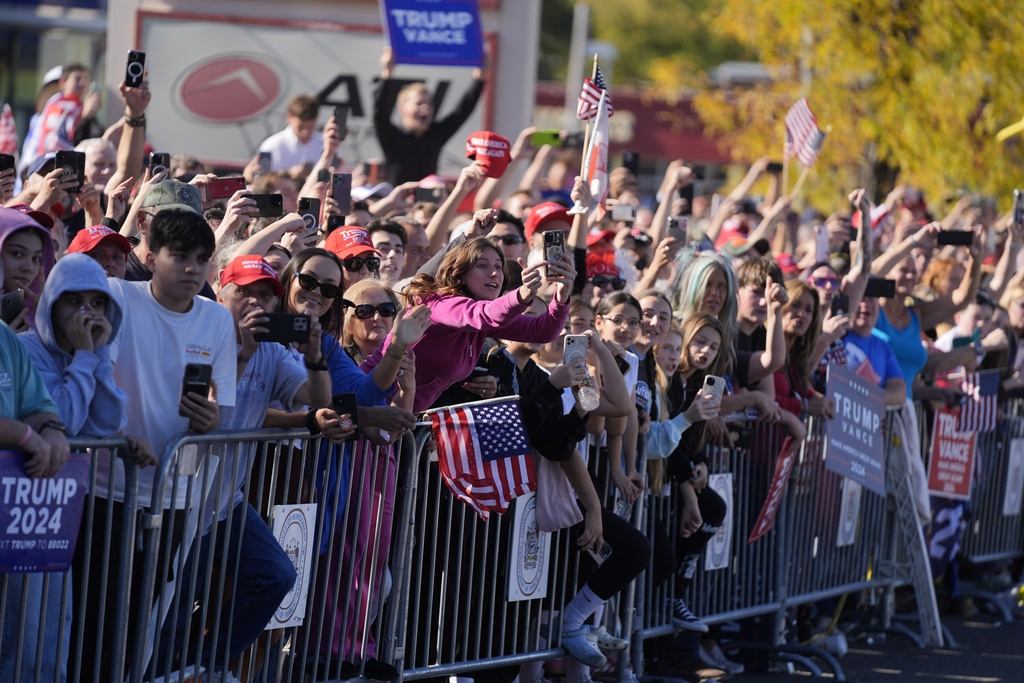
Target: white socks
x: 579, y: 609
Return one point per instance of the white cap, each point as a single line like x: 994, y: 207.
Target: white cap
x: 361, y: 193
x: 53, y: 75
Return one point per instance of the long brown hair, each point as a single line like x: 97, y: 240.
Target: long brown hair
x: 453, y: 268
x: 800, y: 356
x: 688, y: 330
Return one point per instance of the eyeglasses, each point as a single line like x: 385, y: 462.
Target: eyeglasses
x: 617, y: 283
x: 366, y: 311
x: 356, y: 264
x: 632, y: 323
x: 310, y: 284
x: 824, y: 282
x: 509, y: 240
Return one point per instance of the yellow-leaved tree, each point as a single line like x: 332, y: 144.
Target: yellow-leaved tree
x: 918, y: 87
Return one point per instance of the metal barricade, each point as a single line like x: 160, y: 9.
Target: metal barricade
x: 78, y: 616
x: 215, y: 572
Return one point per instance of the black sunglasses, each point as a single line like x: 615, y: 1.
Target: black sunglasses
x: 356, y: 264
x: 509, y: 240
x: 366, y: 311
x: 617, y: 283
x: 310, y: 284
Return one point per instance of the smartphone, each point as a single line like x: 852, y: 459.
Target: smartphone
x: 840, y: 304
x: 341, y: 191
x: 677, y: 226
x: 263, y: 162
x: 631, y: 161
x: 601, y: 555
x: 686, y: 194
x: 427, y: 194
x: 6, y: 162
x: 197, y: 380
x: 222, y: 188
x: 309, y: 209
x: 267, y: 205
x: 880, y: 288
x: 72, y: 162
x: 698, y: 172
x: 552, y: 138
x: 135, y: 70
x: 159, y: 161
x: 623, y: 364
x: 821, y: 250
x: 624, y: 212
x: 333, y: 223
x: 11, y: 305
x: 345, y: 405
x: 774, y: 167
x: 1018, y: 207
x: 714, y: 387
x: 554, y: 246
x: 574, y: 347
x: 323, y: 176
x: 959, y: 238
x: 285, y: 328
x: 341, y: 119
x: 573, y: 141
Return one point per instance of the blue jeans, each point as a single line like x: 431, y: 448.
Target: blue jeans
x: 54, y: 630
x: 265, y: 575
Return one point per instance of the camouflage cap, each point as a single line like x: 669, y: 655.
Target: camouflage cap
x: 174, y: 194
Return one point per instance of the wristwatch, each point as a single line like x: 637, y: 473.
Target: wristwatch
x: 53, y: 424
x: 979, y: 348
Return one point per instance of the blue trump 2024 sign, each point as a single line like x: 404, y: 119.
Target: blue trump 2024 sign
x: 434, y: 32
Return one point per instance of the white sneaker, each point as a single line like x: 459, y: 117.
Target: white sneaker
x: 221, y: 676
x: 715, y: 657
x: 606, y: 641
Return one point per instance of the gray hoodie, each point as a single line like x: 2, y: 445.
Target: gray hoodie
x: 82, y: 385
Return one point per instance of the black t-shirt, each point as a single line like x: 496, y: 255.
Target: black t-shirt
x: 552, y: 433
x: 689, y: 451
x: 756, y: 341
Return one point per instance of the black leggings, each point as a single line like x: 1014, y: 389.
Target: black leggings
x: 631, y: 553
x: 670, y: 557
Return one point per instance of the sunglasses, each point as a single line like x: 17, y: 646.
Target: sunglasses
x: 366, y: 311
x: 356, y: 264
x: 823, y: 282
x: 509, y: 240
x: 310, y: 284
x: 617, y: 283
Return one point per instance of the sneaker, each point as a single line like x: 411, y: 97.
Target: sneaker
x: 702, y: 672
x: 714, y: 656
x: 582, y: 645
x: 683, y: 618
x: 376, y: 670
x: 221, y: 676
x: 607, y: 642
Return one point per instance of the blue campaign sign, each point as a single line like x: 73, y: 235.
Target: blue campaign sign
x: 854, y: 446
x: 444, y: 32
x: 39, y: 518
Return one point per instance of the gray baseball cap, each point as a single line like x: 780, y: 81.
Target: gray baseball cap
x: 174, y: 194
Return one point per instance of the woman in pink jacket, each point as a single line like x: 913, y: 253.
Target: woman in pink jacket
x: 466, y: 307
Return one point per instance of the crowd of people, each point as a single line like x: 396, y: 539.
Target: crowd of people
x: 413, y: 305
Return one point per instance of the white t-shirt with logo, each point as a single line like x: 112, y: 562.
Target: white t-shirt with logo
x: 150, y: 353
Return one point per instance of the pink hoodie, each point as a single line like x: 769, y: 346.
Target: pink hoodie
x: 459, y: 325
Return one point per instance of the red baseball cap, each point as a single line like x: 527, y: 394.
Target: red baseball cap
x: 595, y: 236
x: 349, y: 241
x: 41, y: 217
x: 491, y: 151
x: 731, y: 229
x: 787, y: 263
x: 245, y: 270
x: 87, y: 239
x: 544, y: 213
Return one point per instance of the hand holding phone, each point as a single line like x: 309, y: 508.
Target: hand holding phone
x: 197, y: 380
x: 340, y: 116
x: 552, y: 138
x: 554, y: 246
x: 135, y: 70
x: 223, y: 188
x: 341, y: 192
x: 713, y: 389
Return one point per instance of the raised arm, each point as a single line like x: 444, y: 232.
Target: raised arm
x: 942, y: 309
x: 766, y: 228
x: 886, y: 261
x: 1007, y: 260
x: 677, y: 176
x: 493, y: 188
x: 469, y: 179
x: 132, y: 144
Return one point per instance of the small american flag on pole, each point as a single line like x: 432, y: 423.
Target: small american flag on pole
x: 590, y: 98
x: 803, y: 138
x: 483, y: 453
x: 978, y: 413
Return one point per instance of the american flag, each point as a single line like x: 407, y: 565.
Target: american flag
x: 590, y: 98
x: 978, y: 413
x: 484, y: 454
x: 803, y: 138
x: 8, y: 131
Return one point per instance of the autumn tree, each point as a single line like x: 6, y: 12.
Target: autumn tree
x: 919, y: 87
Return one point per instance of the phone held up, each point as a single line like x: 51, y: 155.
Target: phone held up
x: 72, y: 162
x: 135, y: 69
x: 554, y: 245
x: 197, y: 380
x: 11, y: 305
x: 285, y: 328
x: 348, y: 411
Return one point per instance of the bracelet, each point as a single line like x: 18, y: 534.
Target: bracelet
x: 318, y: 366
x: 135, y: 121
x: 913, y: 241
x: 311, y: 423
x: 26, y: 437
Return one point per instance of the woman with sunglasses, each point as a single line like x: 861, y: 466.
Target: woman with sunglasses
x: 355, y: 249
x: 602, y: 278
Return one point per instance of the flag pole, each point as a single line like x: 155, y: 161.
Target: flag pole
x: 577, y: 207
x: 785, y: 162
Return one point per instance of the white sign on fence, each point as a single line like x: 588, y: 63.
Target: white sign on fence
x: 720, y: 546
x: 531, y: 553
x: 1014, y: 479
x: 293, y: 527
x: 849, y: 513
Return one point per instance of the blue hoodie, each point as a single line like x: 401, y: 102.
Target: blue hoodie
x: 82, y: 385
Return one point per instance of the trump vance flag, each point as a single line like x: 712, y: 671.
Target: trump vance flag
x: 483, y: 453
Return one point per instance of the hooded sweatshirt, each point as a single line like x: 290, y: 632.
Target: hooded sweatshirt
x: 82, y: 384
x: 44, y: 267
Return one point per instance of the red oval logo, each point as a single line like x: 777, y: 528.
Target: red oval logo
x: 229, y: 89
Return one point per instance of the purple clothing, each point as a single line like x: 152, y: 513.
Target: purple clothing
x: 36, y: 286
x: 459, y: 325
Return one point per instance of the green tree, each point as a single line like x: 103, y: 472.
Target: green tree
x: 918, y: 86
